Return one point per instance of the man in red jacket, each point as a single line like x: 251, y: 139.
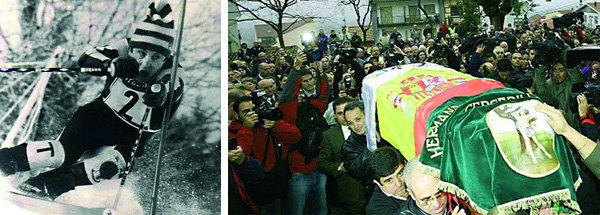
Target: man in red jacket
x: 253, y: 139
x: 305, y: 94
x: 267, y: 142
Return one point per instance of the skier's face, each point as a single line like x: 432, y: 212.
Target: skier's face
x: 150, y: 63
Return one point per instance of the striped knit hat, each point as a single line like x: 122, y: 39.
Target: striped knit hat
x: 156, y: 31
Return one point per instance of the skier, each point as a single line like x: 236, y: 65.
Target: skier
x: 105, y: 130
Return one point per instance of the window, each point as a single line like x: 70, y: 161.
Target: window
x: 430, y: 9
x: 595, y: 20
x: 387, y: 16
x: 455, y: 11
x: 413, y: 11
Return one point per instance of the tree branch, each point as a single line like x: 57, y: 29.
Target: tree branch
x: 110, y: 20
x: 247, y: 10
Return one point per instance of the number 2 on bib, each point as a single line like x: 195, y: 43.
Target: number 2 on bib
x: 133, y: 98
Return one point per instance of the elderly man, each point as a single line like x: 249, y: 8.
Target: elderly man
x: 264, y: 71
x: 268, y: 85
x: 425, y: 198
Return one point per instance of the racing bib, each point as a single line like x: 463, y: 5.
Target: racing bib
x: 126, y: 102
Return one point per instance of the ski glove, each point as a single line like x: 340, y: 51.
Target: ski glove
x: 125, y: 67
x: 155, y: 95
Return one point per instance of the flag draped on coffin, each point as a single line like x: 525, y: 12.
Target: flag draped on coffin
x: 470, y: 150
x: 485, y: 142
x: 404, y: 96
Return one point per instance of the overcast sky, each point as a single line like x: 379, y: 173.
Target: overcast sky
x: 553, y: 5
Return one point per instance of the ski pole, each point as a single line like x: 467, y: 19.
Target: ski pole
x: 133, y: 152
x: 89, y: 70
x: 166, y: 116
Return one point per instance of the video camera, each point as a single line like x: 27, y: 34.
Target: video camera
x: 264, y: 108
x: 546, y: 52
x: 470, y: 44
x: 440, y: 50
x: 567, y: 19
x: 346, y: 55
x: 312, y: 55
x: 591, y: 87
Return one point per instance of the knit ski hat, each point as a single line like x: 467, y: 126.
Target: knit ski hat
x: 156, y: 31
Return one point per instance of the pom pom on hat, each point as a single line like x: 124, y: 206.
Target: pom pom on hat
x: 157, y: 31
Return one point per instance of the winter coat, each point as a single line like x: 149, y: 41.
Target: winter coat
x: 288, y: 103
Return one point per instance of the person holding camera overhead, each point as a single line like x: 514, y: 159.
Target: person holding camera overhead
x: 303, y: 101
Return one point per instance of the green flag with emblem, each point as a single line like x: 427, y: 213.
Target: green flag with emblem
x: 494, y: 150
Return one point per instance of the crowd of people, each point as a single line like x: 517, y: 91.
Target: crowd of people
x: 297, y: 123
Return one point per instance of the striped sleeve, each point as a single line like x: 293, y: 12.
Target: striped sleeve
x: 98, y: 57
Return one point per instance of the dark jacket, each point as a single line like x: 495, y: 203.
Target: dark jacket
x: 557, y: 95
x: 354, y: 153
x: 245, y: 183
x: 474, y: 65
x: 288, y: 103
x: 348, y: 188
x: 381, y: 204
x: 517, y: 80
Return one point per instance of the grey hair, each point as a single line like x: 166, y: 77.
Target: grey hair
x: 497, y: 48
x: 408, y: 170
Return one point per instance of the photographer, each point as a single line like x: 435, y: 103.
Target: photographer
x: 253, y: 137
x: 266, y: 140
x: 557, y: 89
x: 347, y: 60
x: 248, y: 190
x: 441, y: 50
x: 303, y: 102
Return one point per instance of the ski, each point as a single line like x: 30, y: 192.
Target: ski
x: 41, y: 205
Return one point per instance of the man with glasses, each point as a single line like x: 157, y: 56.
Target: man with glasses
x: 395, y: 182
x: 425, y: 198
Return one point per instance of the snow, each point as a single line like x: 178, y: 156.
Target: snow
x: 101, y: 195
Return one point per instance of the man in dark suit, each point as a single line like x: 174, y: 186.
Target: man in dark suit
x: 349, y: 198
x: 270, y: 88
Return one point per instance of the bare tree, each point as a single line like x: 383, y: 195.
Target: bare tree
x: 424, y: 12
x: 361, y: 18
x: 279, y: 7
